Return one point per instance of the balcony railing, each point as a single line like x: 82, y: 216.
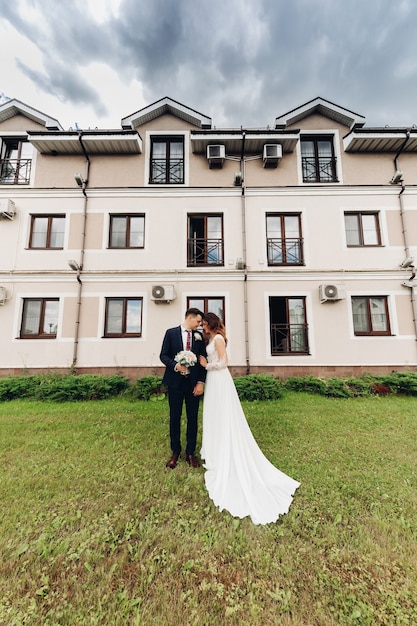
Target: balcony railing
x: 285, y: 251
x: 15, y: 171
x: 163, y: 172
x: 289, y: 339
x: 319, y: 169
x: 205, y: 252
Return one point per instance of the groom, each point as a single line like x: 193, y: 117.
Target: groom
x: 184, y: 384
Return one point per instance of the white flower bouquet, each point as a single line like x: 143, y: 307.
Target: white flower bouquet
x: 186, y: 357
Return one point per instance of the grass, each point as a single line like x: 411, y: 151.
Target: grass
x: 95, y: 531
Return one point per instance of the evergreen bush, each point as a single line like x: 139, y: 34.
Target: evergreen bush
x: 75, y: 387
x: 258, y: 387
x: 68, y: 388
x: 309, y: 384
x: 148, y: 388
x: 15, y: 387
x: 403, y: 383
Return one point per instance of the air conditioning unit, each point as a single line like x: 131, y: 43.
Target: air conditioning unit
x: 7, y: 209
x: 216, y: 155
x: 272, y: 154
x: 3, y: 295
x: 163, y: 293
x: 331, y: 293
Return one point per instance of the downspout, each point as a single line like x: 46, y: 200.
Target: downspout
x: 244, y: 252
x: 84, y: 186
x: 82, y: 252
x: 405, y: 234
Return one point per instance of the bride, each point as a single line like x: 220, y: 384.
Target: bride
x: 239, y: 478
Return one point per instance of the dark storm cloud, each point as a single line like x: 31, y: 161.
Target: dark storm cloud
x: 242, y: 62
x: 60, y: 81
x: 251, y: 61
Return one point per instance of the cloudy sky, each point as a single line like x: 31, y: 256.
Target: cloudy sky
x: 240, y: 62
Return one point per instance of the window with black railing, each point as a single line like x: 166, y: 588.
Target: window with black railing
x: 167, y: 161
x: 288, y: 326
x: 318, y: 160
x: 284, y: 241
x: 205, y: 240
x: 16, y: 162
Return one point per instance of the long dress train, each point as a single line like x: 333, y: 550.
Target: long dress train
x: 239, y: 478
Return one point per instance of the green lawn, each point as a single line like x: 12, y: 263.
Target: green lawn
x: 95, y: 530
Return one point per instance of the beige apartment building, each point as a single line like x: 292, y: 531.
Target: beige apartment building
x: 301, y: 236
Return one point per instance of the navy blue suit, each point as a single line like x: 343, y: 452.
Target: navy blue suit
x: 180, y: 388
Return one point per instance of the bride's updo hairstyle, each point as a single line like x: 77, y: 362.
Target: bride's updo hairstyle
x: 215, y: 325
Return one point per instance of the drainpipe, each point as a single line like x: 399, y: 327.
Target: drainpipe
x: 83, y: 187
x: 82, y: 182
x: 245, y: 269
x: 405, y: 234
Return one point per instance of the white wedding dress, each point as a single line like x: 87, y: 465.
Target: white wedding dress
x: 239, y: 478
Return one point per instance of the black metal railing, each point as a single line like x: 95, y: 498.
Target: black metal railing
x: 285, y: 251
x: 289, y: 339
x: 15, y: 171
x: 319, y: 169
x: 167, y: 172
x: 205, y: 252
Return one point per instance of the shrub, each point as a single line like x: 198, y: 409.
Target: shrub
x: 14, y: 387
x: 359, y: 386
x: 309, y: 384
x: 381, y: 390
x: 404, y: 383
x: 67, y: 388
x: 148, y: 388
x: 337, y: 388
x: 258, y: 387
x: 62, y: 387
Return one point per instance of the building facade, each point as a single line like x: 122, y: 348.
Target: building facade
x: 301, y: 236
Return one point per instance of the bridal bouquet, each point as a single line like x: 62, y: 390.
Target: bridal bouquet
x: 186, y: 357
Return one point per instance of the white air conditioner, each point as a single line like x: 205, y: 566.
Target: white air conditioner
x: 3, y: 295
x: 216, y: 155
x: 272, y: 154
x: 7, y: 209
x: 163, y: 293
x: 331, y: 293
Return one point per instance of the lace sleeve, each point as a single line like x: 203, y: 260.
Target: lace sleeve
x: 214, y: 361
x: 218, y: 364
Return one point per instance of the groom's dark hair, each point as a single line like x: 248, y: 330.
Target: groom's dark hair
x: 194, y: 312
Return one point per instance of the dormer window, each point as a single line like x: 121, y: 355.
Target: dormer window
x: 318, y: 159
x: 167, y: 161
x: 16, y: 162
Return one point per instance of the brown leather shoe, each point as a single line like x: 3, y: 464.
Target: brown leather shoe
x: 192, y: 460
x: 172, y: 463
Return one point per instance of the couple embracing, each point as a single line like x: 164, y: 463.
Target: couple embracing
x: 238, y: 477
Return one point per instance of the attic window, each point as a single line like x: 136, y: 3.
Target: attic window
x: 318, y: 159
x: 16, y: 162
x: 167, y: 161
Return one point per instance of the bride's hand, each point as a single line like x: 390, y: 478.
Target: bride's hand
x: 203, y: 361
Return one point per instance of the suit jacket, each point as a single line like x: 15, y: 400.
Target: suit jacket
x: 171, y: 345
